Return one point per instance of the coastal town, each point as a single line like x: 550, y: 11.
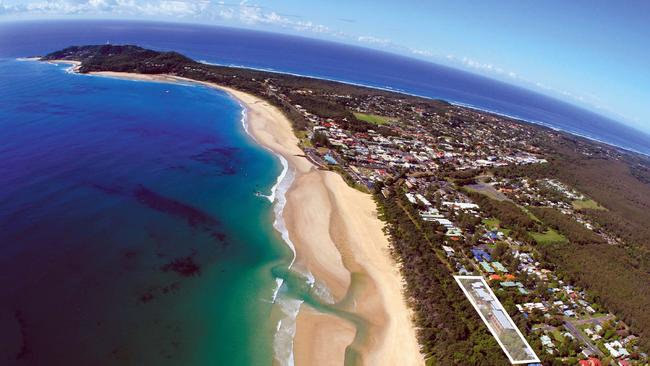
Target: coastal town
x: 467, y: 193
x: 444, y: 172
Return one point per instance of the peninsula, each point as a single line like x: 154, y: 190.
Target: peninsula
x: 394, y: 195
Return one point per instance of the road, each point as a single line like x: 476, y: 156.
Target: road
x: 579, y: 336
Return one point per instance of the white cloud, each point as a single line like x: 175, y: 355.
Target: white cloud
x: 253, y: 15
x: 374, y: 40
x: 420, y: 52
x: 250, y: 14
x: 171, y: 9
x: 226, y: 13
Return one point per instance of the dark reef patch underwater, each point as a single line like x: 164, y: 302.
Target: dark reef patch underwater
x: 130, y: 231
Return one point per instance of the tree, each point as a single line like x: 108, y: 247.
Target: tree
x: 500, y: 250
x: 320, y: 139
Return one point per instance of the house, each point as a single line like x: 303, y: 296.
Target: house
x: 492, y: 235
x: 410, y: 197
x: 480, y: 255
x: 616, y: 349
x: 423, y: 200
x: 500, y: 321
x: 461, y: 205
x: 499, y: 267
x: 587, y: 353
x: 486, y: 267
x: 431, y: 214
x: 481, y: 293
x: 495, y: 277
x: 445, y: 222
x: 508, y: 283
x: 590, y: 309
x: 454, y: 233
x: 569, y: 313
x: 591, y: 361
x: 534, y: 305
x: 546, y: 341
x: 448, y: 250
x: 385, y: 192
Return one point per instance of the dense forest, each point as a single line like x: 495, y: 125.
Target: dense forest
x: 570, y: 228
x: 617, y: 275
x: 611, y: 276
x: 509, y: 213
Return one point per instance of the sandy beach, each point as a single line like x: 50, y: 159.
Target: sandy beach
x: 75, y: 64
x: 337, y: 236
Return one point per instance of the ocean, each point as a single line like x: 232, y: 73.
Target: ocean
x: 303, y: 56
x: 136, y: 225
x: 131, y: 231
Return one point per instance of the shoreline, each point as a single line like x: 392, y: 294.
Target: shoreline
x: 447, y: 100
x: 627, y: 150
x: 335, y: 234
x: 74, y: 65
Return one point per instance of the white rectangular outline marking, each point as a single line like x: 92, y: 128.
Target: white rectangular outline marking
x: 494, y: 334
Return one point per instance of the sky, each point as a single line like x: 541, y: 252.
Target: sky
x: 595, y: 54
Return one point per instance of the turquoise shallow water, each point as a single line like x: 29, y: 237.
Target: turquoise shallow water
x: 130, y: 231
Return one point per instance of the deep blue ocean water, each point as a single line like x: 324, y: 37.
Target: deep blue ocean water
x: 326, y: 60
x: 130, y: 228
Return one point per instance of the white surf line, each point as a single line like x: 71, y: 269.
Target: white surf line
x: 448, y: 100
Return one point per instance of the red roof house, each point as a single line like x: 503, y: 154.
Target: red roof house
x: 590, y: 362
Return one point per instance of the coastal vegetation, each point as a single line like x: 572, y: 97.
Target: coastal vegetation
x: 508, y: 213
x: 264, y: 84
x: 615, y: 273
x: 449, y: 330
x: 574, y: 231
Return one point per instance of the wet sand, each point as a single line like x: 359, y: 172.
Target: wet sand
x: 337, y: 236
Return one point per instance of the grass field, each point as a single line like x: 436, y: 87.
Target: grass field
x: 494, y: 223
x: 557, y: 335
x: 487, y: 190
x: 550, y: 236
x: 302, y: 136
x: 587, y: 204
x: 372, y: 118
x: 530, y: 214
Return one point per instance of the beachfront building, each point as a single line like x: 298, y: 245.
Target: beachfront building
x: 496, y: 318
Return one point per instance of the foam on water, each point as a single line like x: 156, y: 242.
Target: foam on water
x: 286, y: 330
x: 286, y: 327
x: 120, y: 157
